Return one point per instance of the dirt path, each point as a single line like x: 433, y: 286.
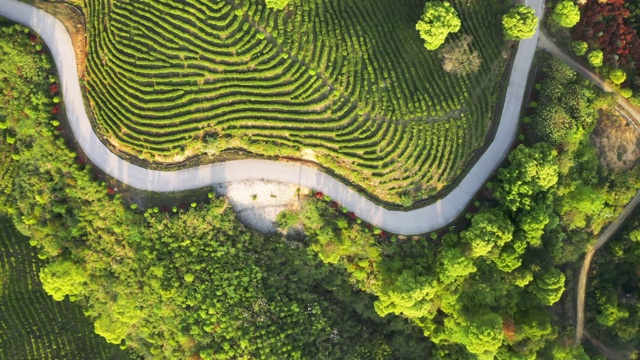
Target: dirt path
x: 584, y: 272
x: 625, y: 108
x: 633, y: 116
x: 419, y: 221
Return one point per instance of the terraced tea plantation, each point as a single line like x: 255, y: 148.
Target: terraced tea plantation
x: 348, y: 83
x: 32, y: 324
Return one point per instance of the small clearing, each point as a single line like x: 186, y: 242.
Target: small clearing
x: 616, y: 141
x: 258, y: 203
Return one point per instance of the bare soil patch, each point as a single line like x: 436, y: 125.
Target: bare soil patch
x: 73, y: 19
x: 258, y: 203
x: 616, y: 140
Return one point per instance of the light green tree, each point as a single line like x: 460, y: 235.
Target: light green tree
x: 481, y: 334
x: 519, y: 23
x: 408, y: 295
x: 437, y: 21
x: 490, y: 229
x: 579, y: 47
x: 566, y: 14
x: 61, y: 278
x: 531, y: 170
x: 595, y: 58
x: 453, y: 264
x: 549, y: 287
x: 617, y: 76
x: 277, y: 4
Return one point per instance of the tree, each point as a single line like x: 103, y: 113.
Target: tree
x: 490, y: 229
x: 459, y: 58
x: 61, y: 278
x: 549, y: 287
x: 531, y: 170
x: 453, y: 264
x: 277, y: 4
x: 579, y: 47
x: 437, y: 21
x: 481, y: 334
x: 595, y: 58
x: 618, y: 76
x: 519, y: 23
x: 566, y: 14
x: 408, y: 295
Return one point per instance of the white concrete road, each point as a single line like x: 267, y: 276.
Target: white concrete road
x: 426, y: 219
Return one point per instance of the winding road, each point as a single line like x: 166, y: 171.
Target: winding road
x: 419, y: 221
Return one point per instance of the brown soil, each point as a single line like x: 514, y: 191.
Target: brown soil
x: 616, y: 140
x: 73, y: 19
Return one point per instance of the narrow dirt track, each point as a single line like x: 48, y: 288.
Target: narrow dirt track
x: 632, y: 115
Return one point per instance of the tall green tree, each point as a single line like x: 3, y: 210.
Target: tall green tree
x: 566, y: 14
x: 519, y: 23
x: 438, y: 20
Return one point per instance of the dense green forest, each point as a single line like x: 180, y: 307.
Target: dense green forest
x: 488, y: 288
x: 195, y: 283
x: 612, y: 299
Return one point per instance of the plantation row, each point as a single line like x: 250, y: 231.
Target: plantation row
x: 7, y: 168
x: 32, y: 324
x: 350, y: 81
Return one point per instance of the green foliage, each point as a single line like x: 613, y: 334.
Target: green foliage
x: 549, y: 287
x: 438, y: 20
x: 34, y: 325
x: 277, y: 4
x: 566, y: 14
x: 531, y: 170
x: 595, y: 58
x: 617, y: 76
x: 519, y: 23
x: 626, y: 93
x: 489, y: 231
x: 579, y: 47
x: 61, y: 278
x: 566, y: 109
x: 481, y: 334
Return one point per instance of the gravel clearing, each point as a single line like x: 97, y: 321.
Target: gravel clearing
x: 258, y: 203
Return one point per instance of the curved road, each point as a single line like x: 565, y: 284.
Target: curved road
x: 423, y: 220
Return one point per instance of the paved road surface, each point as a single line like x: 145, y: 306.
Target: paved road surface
x: 418, y: 221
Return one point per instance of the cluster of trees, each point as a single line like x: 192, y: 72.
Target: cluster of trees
x: 607, y: 29
x: 439, y: 19
x: 486, y: 290
x: 613, y: 310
